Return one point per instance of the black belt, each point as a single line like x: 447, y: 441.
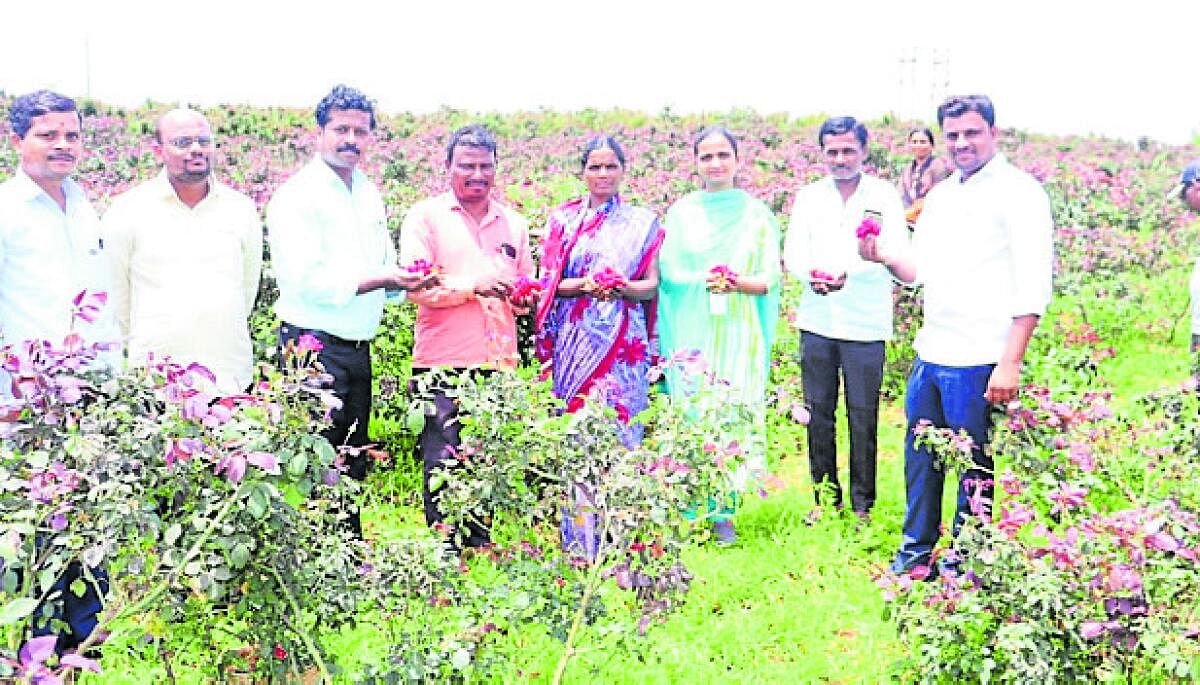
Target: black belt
x: 342, y: 341
x: 328, y: 337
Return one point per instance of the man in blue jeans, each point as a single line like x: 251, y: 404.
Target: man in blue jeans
x: 983, y: 250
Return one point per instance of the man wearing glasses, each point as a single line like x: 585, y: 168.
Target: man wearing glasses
x: 186, y: 253
x: 983, y: 252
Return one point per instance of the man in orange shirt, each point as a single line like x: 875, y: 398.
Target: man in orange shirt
x: 467, y: 324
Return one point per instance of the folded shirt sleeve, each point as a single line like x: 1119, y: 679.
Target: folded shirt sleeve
x: 1031, y: 239
x: 300, y: 256
x: 795, y: 242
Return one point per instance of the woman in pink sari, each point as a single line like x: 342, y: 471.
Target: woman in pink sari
x: 597, y: 327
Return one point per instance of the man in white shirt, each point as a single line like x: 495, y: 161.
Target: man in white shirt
x: 50, y: 251
x: 50, y: 248
x: 186, y: 254
x: 1188, y: 190
x: 845, y: 314
x: 334, y: 259
x: 983, y: 249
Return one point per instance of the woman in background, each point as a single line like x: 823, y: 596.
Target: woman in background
x: 925, y: 170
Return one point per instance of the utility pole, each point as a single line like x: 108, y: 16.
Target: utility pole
x: 924, y: 81
x: 939, y: 78
x: 907, y: 70
x: 87, y: 65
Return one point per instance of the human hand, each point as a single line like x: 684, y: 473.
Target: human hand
x: 526, y: 291
x: 823, y: 283
x: 405, y: 280
x: 606, y: 284
x: 721, y: 279
x: 493, y: 285
x: 868, y: 249
x: 1003, y: 383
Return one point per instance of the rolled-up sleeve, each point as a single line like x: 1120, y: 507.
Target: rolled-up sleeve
x: 893, y: 236
x: 1031, y: 239
x: 252, y: 249
x: 769, y: 269
x: 796, y: 241
x: 118, y: 249
x: 1194, y: 291
x: 299, y: 254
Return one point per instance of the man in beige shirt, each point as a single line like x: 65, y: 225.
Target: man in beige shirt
x: 186, y: 254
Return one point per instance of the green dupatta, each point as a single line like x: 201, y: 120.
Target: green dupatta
x: 703, y: 230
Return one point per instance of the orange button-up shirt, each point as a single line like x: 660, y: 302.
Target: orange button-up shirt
x: 455, y: 327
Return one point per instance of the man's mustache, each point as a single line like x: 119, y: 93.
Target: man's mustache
x: 349, y: 147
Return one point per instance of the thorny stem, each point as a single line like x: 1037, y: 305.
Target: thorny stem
x: 304, y: 637
x: 166, y: 657
x: 589, y: 590
x: 138, y: 607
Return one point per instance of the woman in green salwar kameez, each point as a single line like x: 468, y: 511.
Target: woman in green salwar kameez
x: 726, y: 315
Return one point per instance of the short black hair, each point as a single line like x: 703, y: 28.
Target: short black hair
x: 471, y: 135
x: 839, y: 125
x: 35, y: 104
x: 958, y: 105
x: 344, y: 97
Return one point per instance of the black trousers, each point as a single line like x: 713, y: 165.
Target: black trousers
x: 822, y: 360
x: 439, y: 439
x: 349, y: 362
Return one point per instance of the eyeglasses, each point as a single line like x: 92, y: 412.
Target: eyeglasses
x: 185, y: 142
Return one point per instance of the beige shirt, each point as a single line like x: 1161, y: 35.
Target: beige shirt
x: 184, y: 279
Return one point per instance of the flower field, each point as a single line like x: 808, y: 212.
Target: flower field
x: 218, y: 523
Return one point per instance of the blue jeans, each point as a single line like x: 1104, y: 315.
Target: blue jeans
x: 948, y: 397
x: 81, y: 614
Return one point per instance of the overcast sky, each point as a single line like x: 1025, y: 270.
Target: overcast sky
x: 1050, y: 66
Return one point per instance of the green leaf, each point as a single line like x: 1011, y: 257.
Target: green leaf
x: 414, y: 419
x: 522, y: 600
x: 297, y: 465
x: 46, y: 579
x: 78, y: 587
x: 17, y: 609
x: 436, y: 481
x: 8, y: 582
x: 172, y: 534
x: 240, y: 555
x: 324, y: 451
x: 256, y: 505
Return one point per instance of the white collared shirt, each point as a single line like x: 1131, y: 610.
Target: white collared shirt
x: 47, y: 257
x: 1194, y: 290
x: 184, y: 278
x: 325, y: 239
x: 822, y: 234
x: 983, y: 249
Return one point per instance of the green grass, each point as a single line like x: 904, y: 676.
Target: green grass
x: 789, y: 603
